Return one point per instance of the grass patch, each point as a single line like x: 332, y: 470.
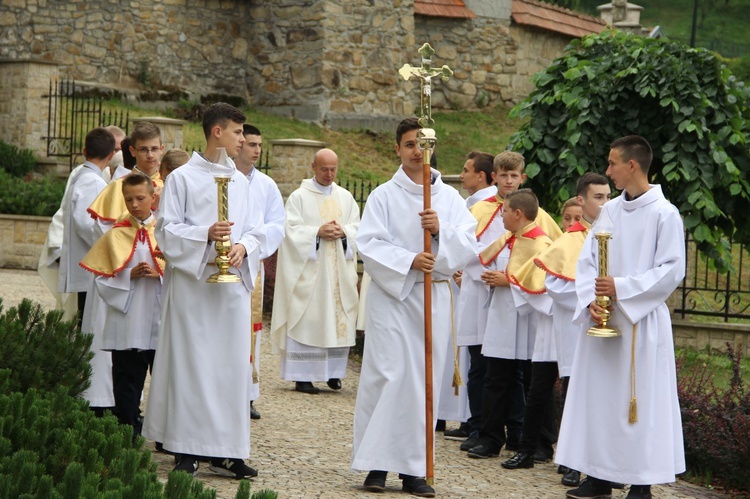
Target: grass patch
x: 718, y: 365
x: 365, y: 154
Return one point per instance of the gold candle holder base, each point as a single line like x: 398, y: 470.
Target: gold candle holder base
x: 603, y: 332
x: 219, y: 278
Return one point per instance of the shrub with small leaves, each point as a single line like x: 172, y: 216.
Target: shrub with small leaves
x: 689, y: 106
x: 35, y: 196
x: 17, y: 162
x: 716, y: 424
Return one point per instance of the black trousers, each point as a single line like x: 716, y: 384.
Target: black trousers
x: 474, y: 387
x: 81, y: 306
x: 500, y: 376
x: 539, y: 416
x: 129, y: 368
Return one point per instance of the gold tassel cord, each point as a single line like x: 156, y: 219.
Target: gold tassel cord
x: 457, y: 380
x: 633, y: 411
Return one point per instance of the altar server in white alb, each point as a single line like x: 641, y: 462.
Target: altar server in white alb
x: 267, y: 197
x: 198, y: 404
x: 389, y: 417
x: 476, y: 179
x: 315, y: 297
x: 79, y: 235
x: 622, y: 418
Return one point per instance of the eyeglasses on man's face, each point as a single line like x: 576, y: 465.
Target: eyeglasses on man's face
x: 146, y: 150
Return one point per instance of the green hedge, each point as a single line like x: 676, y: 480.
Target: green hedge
x: 36, y: 196
x: 17, y: 162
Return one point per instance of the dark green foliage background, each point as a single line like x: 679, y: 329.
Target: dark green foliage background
x: 684, y: 101
x: 17, y: 162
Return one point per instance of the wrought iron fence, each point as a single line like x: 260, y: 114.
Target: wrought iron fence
x: 73, y: 112
x: 707, y: 292
x: 360, y: 189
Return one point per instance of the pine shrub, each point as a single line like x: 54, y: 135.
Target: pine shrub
x: 43, y: 351
x: 17, y: 162
x: 716, y: 424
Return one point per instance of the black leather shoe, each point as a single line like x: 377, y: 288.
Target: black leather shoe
x: 519, y: 461
x: 306, y: 387
x: 591, y: 488
x: 639, y: 492
x: 470, y: 442
x: 483, y: 450
x: 334, y: 384
x: 440, y: 425
x: 253, y: 413
x: 417, y: 486
x: 571, y: 478
x: 561, y: 470
x: 375, y: 481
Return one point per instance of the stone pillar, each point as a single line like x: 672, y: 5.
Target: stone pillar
x: 291, y: 162
x: 24, y: 110
x: 171, y: 130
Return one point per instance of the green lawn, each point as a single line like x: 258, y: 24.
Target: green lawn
x: 724, y: 28
x: 371, y: 155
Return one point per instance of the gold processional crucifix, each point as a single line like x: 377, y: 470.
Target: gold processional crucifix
x: 427, y: 140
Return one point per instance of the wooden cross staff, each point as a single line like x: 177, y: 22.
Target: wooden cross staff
x: 427, y: 140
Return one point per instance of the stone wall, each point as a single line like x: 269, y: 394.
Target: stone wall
x: 329, y: 61
x: 536, y: 50
x: 714, y: 336
x: 21, y: 240
x: 332, y: 61
x: 23, y: 109
x: 201, y: 45
x: 481, y: 54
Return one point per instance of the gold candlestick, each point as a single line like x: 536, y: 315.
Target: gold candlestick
x: 603, y: 301
x: 222, y: 247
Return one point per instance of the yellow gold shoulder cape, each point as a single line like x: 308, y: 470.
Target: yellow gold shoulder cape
x: 561, y: 257
x: 523, y: 248
x: 109, y: 205
x: 112, y: 252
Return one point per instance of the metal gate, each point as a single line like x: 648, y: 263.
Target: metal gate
x: 73, y: 112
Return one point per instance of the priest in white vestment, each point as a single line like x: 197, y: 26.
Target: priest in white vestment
x: 198, y: 404
x: 622, y: 417
x: 315, y: 298
x: 267, y: 198
x: 389, y: 418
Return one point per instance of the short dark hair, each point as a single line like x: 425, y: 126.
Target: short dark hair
x: 133, y: 179
x: 250, y: 130
x: 99, y: 143
x: 220, y: 114
x: 524, y: 200
x: 483, y: 162
x: 144, y: 130
x: 587, y: 179
x: 128, y: 160
x: 634, y: 147
x: 406, y: 125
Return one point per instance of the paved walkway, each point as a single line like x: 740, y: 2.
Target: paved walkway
x: 302, y: 444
